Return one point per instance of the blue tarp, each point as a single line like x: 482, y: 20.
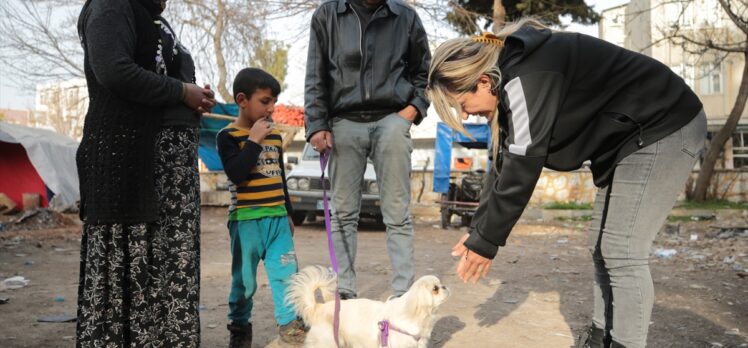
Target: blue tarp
x: 445, y: 137
x: 209, y: 127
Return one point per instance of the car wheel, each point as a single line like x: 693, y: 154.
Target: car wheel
x: 298, y: 217
x: 311, y: 217
x: 380, y: 221
x: 446, y: 218
x: 466, y: 220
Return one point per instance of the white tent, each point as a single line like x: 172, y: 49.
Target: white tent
x: 53, y: 156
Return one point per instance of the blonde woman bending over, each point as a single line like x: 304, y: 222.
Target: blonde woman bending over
x: 556, y: 100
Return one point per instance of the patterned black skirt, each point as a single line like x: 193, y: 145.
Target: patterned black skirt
x: 140, y: 283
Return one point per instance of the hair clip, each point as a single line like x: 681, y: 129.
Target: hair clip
x: 489, y: 39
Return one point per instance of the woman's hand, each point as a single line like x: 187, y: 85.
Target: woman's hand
x: 472, y: 266
x: 209, y: 101
x: 200, y: 99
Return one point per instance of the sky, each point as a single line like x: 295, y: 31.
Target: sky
x: 14, y: 97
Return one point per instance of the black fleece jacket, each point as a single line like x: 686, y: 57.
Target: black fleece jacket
x: 567, y: 98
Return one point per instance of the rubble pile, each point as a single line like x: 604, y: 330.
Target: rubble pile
x: 704, y: 245
x: 37, y: 219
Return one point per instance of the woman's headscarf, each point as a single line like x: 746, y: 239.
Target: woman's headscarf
x: 155, y: 7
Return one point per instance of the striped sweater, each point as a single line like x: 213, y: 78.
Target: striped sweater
x: 256, y: 174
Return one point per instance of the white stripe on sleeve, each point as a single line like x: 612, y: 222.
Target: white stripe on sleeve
x: 520, y: 117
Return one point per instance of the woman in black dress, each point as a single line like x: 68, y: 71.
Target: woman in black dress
x: 137, y: 163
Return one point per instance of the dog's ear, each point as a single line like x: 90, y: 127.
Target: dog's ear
x: 420, y: 301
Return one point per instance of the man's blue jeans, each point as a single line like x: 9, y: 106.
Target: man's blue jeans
x: 387, y: 142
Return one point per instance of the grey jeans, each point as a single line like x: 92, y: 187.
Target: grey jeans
x: 387, y: 142
x: 628, y: 214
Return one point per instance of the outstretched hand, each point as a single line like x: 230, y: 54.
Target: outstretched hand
x: 471, y: 266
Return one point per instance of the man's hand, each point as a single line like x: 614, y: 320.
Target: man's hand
x: 409, y: 113
x: 260, y: 130
x: 321, y: 141
x: 472, y: 266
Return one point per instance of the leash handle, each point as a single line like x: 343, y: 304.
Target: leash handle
x: 323, y: 159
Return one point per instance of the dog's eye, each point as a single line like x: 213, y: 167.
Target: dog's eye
x: 435, y: 290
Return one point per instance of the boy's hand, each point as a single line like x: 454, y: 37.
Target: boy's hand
x: 260, y: 130
x: 290, y: 224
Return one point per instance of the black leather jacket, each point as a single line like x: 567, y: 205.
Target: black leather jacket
x: 355, y: 70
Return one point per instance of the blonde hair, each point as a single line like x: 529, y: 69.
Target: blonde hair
x: 456, y: 67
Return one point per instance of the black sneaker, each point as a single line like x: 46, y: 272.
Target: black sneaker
x: 293, y: 332
x: 592, y: 337
x: 241, y: 335
x: 347, y: 296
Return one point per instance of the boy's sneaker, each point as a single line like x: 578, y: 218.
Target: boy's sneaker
x: 241, y: 335
x: 293, y: 332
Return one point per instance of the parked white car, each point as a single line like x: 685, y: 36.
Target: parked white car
x: 305, y: 190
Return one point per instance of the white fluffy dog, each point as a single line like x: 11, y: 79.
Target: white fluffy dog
x: 410, y: 317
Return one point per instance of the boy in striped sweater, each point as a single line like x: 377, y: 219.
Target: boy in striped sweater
x: 260, y: 222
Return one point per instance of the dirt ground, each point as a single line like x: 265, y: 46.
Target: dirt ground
x: 538, y: 293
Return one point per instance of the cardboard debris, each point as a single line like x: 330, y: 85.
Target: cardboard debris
x: 6, y: 204
x: 31, y: 201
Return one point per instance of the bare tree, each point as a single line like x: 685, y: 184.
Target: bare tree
x: 469, y: 16
x: 703, y: 40
x: 39, y: 41
x: 222, y: 35
x: 499, y: 15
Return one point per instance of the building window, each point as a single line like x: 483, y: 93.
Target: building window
x: 685, y: 71
x: 711, y: 80
x: 712, y: 13
x: 679, y: 13
x: 740, y: 148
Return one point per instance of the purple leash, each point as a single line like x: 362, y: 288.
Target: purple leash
x: 323, y: 158
x: 384, y: 333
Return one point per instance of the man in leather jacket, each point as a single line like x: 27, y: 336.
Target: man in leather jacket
x: 365, y: 86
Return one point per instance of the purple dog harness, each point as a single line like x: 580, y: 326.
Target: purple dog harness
x: 384, y: 333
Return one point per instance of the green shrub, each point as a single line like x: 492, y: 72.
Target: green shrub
x: 568, y: 206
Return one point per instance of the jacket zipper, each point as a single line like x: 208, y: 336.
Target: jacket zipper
x: 365, y: 91
x: 361, y: 52
x: 640, y: 140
